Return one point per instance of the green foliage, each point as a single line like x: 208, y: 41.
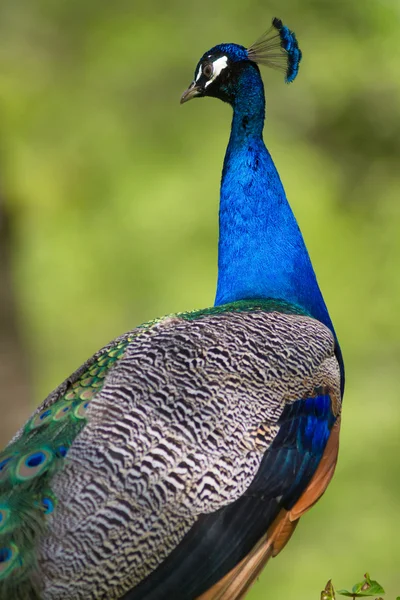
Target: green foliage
x: 367, y: 587
x: 328, y: 593
x: 113, y: 190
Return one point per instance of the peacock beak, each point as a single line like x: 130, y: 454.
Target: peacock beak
x: 192, y: 91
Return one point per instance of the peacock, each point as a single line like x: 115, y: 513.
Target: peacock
x: 179, y: 458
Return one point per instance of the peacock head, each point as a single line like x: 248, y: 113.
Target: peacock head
x: 221, y: 69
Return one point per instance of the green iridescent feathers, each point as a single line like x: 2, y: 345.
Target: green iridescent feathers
x: 266, y: 305
x: 28, y: 464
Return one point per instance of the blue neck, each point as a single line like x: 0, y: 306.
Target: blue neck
x: 261, y: 251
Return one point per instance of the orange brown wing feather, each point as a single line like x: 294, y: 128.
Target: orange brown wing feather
x: 237, y: 582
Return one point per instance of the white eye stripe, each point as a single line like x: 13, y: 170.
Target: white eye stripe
x: 218, y: 65
x: 198, y: 73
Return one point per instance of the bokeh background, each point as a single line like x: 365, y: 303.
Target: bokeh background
x: 109, y: 203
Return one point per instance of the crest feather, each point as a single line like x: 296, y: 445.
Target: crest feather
x: 277, y: 48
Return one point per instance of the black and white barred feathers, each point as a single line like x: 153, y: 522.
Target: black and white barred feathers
x: 175, y: 434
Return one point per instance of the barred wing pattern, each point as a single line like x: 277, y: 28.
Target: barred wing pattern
x: 176, y: 439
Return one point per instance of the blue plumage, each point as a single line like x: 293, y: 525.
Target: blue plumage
x: 236, y: 52
x: 261, y: 251
x: 305, y: 428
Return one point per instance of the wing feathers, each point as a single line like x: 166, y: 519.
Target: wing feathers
x: 237, y: 582
x: 204, y: 430
x: 322, y: 476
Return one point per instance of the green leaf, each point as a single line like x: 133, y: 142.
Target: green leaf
x: 368, y: 587
x: 328, y: 593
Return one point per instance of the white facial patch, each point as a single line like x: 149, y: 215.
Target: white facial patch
x: 219, y: 65
x: 198, y: 73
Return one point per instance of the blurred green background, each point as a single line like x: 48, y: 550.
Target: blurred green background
x: 109, y: 203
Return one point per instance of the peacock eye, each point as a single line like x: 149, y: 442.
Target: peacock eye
x: 207, y: 70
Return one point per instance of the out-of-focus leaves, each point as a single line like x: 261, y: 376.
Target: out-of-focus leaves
x: 367, y: 587
x: 328, y: 593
